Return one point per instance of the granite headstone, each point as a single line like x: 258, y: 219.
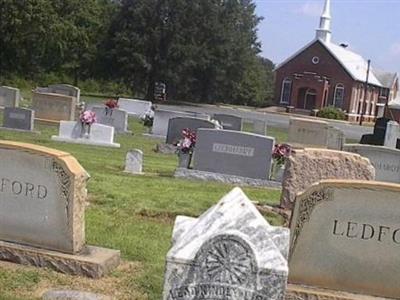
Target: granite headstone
x: 134, y: 162
x: 229, y: 252
x: 176, y: 125
x: 229, y: 122
x: 9, y: 96
x: 134, y: 107
x: 75, y: 132
x: 345, y: 236
x: 234, y: 153
x: 385, y: 160
x: 117, y: 118
x: 392, y: 134
x: 18, y: 118
x: 53, y: 107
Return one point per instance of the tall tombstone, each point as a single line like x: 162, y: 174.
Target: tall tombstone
x: 345, y: 236
x: 53, y: 107
x: 134, y: 107
x: 233, y: 153
x: 9, y: 96
x: 162, y: 117
x: 229, y: 252
x: 65, y: 89
x: 176, y: 125
x: 378, y: 136
x: 117, y: 118
x: 385, y: 160
x: 42, y: 209
x: 315, y: 134
x: 392, y: 134
x: 305, y: 167
x: 18, y: 118
x: 76, y: 133
x: 229, y: 122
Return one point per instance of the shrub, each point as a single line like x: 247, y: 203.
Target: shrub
x: 331, y: 112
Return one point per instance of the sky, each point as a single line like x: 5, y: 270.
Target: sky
x: 370, y: 27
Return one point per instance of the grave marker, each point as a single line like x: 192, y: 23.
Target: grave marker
x: 18, y: 118
x: 176, y: 125
x: 116, y: 118
x: 234, y: 153
x: 385, y: 160
x: 53, y: 107
x: 134, y: 162
x: 9, y: 96
x: 134, y: 107
x: 229, y: 252
x: 43, y: 194
x: 345, y: 236
x: 229, y: 122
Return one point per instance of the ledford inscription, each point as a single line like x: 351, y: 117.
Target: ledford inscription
x: 235, y: 150
x: 345, y: 235
x: 12, y: 187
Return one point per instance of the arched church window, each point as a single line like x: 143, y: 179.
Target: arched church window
x: 338, y: 97
x: 286, y: 91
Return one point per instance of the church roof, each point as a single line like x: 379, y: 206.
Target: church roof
x: 352, y: 62
x: 395, y: 103
x: 387, y: 79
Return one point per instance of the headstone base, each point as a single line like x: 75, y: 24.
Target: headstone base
x: 166, y: 148
x: 225, y: 178
x: 47, y: 121
x: 19, y: 130
x: 94, y: 262
x: 154, y: 136
x: 84, y: 141
x: 300, y: 292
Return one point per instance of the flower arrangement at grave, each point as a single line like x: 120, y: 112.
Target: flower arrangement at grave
x: 280, y: 154
x: 185, y: 147
x: 87, y: 118
x: 110, y: 105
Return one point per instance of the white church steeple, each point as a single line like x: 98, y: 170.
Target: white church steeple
x: 324, y: 30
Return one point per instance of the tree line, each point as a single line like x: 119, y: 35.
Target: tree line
x: 205, y: 51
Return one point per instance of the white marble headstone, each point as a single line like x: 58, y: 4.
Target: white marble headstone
x: 229, y: 252
x: 99, y: 135
x: 134, y: 162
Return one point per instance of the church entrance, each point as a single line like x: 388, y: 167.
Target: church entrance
x: 306, y: 98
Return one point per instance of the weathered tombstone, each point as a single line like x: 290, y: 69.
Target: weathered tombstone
x: 229, y: 252
x: 134, y: 107
x: 65, y: 89
x: 176, y: 125
x: 18, y: 118
x: 392, y: 134
x: 72, y: 295
x: 345, y: 236
x: 305, y: 167
x: 259, y: 127
x: 134, y: 162
x: 42, y: 209
x: 385, y: 160
x: 314, y: 133
x: 234, y: 153
x: 53, y: 107
x: 229, y: 122
x: 9, y: 96
x: 73, y: 132
x: 116, y: 118
x: 162, y: 117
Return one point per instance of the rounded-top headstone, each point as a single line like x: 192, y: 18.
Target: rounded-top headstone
x: 134, y: 162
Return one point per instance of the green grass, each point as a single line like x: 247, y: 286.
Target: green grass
x: 134, y: 214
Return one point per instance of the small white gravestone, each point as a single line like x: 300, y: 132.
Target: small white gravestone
x: 229, y: 252
x: 134, y: 162
x: 99, y: 135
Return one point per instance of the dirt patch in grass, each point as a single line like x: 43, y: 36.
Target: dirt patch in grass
x: 27, y: 282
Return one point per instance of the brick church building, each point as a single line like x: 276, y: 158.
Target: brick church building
x: 323, y: 74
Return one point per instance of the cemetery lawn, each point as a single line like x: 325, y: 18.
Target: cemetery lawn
x: 134, y: 214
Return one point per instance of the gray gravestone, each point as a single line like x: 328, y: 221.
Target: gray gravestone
x: 134, y: 107
x: 65, y: 89
x: 229, y: 252
x: 18, y: 118
x: 162, y: 117
x: 234, y: 153
x: 385, y: 160
x: 9, y: 96
x: 229, y: 122
x: 116, y: 118
x: 134, y: 162
x: 176, y: 125
x: 392, y: 134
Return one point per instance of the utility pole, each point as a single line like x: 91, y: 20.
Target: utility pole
x: 365, y: 93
